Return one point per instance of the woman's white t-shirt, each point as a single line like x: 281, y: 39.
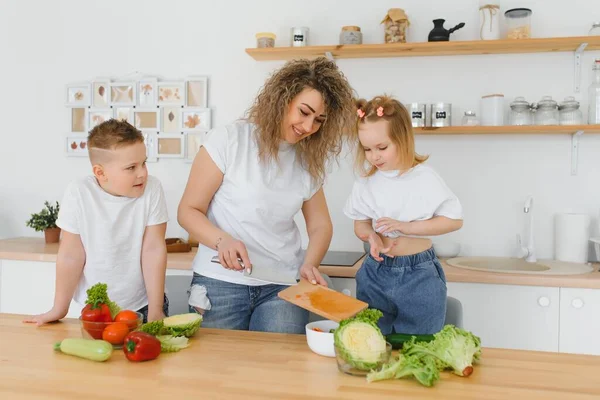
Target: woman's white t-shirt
x: 416, y: 195
x: 256, y: 203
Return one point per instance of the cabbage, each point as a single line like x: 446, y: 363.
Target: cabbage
x: 182, y: 325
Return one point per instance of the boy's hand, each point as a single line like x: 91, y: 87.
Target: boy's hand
x: 377, y: 246
x: 51, y: 316
x: 155, y: 315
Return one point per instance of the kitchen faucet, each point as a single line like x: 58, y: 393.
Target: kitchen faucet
x: 528, y: 252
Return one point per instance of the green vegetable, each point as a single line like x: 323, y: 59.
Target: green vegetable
x: 397, y: 340
x: 423, y: 369
x: 182, y: 325
x: 95, y: 350
x: 170, y: 344
x: 154, y: 328
x: 359, y: 340
x: 99, y: 293
x: 453, y: 348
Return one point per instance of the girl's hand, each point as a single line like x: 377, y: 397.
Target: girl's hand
x: 312, y: 274
x: 387, y: 225
x: 230, y: 250
x: 377, y: 246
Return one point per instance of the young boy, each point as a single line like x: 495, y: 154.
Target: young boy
x: 113, y: 228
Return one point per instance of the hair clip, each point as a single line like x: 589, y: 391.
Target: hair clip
x: 380, y: 111
x: 360, y: 113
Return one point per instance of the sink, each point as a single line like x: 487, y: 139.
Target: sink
x: 520, y: 266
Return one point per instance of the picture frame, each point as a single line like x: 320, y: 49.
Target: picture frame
x: 196, y: 91
x: 171, y: 93
x: 195, y: 119
x: 78, y: 117
x: 78, y: 94
x: 123, y: 113
x: 170, y: 117
x: 147, y: 92
x: 76, y: 146
x: 150, y: 142
x: 123, y: 93
x: 146, y: 119
x: 170, y: 145
x: 193, y: 142
x: 96, y: 116
x: 100, y: 92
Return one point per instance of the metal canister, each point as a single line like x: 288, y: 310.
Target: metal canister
x: 441, y: 114
x: 299, y: 36
x: 418, y: 114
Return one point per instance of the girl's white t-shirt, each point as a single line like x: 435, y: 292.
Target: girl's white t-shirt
x: 256, y: 203
x: 111, y: 229
x: 416, y: 195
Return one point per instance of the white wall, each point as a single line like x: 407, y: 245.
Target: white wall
x: 46, y: 44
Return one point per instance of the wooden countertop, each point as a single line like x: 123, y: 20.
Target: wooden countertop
x: 221, y: 364
x: 34, y: 249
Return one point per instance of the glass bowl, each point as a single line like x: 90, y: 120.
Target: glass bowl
x: 367, y: 362
x: 95, y: 330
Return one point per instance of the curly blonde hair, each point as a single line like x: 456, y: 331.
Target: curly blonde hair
x: 271, y: 105
x: 400, y: 131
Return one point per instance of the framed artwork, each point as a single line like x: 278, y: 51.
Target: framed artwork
x: 123, y: 114
x: 150, y: 142
x: 195, y: 119
x: 170, y: 145
x: 96, y: 117
x: 170, y: 117
x: 79, y: 119
x: 147, y: 92
x: 122, y: 93
x: 100, y: 93
x: 196, y: 91
x: 76, y: 146
x: 193, y: 143
x: 78, y: 95
x: 146, y: 119
x: 171, y: 93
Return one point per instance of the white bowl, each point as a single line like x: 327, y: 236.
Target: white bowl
x: 446, y: 249
x: 321, y: 342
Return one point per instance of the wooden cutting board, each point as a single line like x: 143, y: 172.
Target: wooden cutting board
x: 322, y: 301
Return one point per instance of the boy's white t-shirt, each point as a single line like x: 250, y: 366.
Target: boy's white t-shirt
x: 416, y: 195
x: 112, y: 230
x: 256, y: 203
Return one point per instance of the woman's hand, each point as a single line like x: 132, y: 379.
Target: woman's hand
x: 230, y: 252
x: 312, y: 274
x: 377, y: 246
x: 387, y: 225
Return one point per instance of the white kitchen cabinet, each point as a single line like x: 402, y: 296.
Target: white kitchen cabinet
x: 510, y: 316
x: 27, y: 287
x: 579, y: 321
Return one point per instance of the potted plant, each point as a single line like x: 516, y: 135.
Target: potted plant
x: 45, y: 221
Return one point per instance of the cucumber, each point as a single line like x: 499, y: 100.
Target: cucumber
x: 397, y: 339
x: 95, y: 350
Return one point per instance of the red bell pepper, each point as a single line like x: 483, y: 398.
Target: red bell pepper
x: 141, y: 346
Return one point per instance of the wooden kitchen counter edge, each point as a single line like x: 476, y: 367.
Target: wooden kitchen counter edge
x: 34, y: 249
x: 221, y: 364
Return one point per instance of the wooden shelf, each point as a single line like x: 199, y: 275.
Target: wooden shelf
x: 422, y: 49
x: 500, y: 130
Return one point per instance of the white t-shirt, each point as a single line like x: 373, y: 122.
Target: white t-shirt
x: 111, y: 230
x: 416, y: 195
x: 256, y: 203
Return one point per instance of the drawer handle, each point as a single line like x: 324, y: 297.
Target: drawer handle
x: 347, y: 292
x: 544, y: 301
x: 577, y: 303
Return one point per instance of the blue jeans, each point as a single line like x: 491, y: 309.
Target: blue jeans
x: 144, y: 310
x: 254, y: 308
x: 410, y: 291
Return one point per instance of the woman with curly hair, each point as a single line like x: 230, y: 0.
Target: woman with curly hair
x: 249, y: 180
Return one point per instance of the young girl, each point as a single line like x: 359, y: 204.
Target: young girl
x: 395, y: 204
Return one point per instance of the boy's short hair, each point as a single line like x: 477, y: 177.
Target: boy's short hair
x: 112, y: 134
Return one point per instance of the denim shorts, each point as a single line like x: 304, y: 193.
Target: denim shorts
x: 144, y: 310
x: 241, y: 307
x: 409, y: 290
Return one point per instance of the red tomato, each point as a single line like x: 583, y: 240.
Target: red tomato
x: 115, y: 333
x: 129, y: 317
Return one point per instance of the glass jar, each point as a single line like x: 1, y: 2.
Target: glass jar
x: 265, y: 39
x: 520, y: 112
x: 395, y: 22
x: 569, y: 112
x: 547, y: 112
x: 351, y: 35
x: 595, y: 31
x: 470, y: 119
x: 518, y: 21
